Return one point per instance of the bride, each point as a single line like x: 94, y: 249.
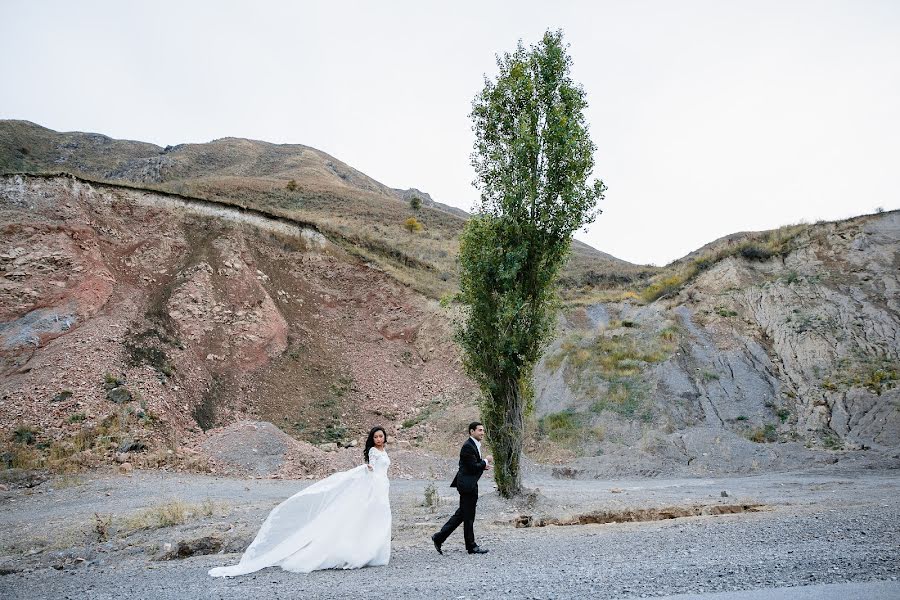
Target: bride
x: 341, y: 522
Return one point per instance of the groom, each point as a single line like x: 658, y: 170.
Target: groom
x: 471, y: 466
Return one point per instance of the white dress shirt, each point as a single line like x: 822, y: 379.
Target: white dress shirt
x: 477, y: 445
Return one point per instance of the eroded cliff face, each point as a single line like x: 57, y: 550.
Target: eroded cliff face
x: 803, y: 349
x: 135, y: 315
x: 137, y: 320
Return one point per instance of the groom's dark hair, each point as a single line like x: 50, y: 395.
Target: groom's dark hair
x: 474, y: 425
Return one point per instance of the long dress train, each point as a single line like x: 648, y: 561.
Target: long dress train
x: 341, y: 522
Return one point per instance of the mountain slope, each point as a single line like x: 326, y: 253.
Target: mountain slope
x: 802, y: 348
x: 327, y: 192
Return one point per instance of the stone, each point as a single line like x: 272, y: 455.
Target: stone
x: 196, y: 547
x: 126, y: 468
x: 119, y: 395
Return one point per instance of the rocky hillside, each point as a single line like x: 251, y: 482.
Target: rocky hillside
x: 134, y: 321
x: 158, y: 325
x: 790, y: 337
x: 289, y: 180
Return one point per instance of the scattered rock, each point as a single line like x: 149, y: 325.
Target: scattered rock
x: 119, y: 395
x: 197, y: 547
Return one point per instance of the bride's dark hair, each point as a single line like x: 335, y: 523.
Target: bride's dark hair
x: 370, y: 441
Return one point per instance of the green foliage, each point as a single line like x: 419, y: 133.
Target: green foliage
x: 563, y: 426
x: 24, y: 435
x: 415, y: 203
x: 708, y: 376
x: 783, y: 414
x: 533, y: 157
x: 447, y: 300
x: 334, y: 433
x: 77, y: 417
x: 623, y: 397
x: 725, y: 312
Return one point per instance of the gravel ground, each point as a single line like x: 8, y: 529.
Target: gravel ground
x: 817, y: 528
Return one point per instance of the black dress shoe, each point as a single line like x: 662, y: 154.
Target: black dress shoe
x: 477, y: 550
x: 437, y: 546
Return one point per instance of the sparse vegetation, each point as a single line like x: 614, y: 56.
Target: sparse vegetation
x: 764, y: 434
x: 334, y: 433
x: 25, y: 435
x: 432, y: 498
x: 291, y: 185
x: 623, y: 397
x: 708, y: 376
x: 565, y: 426
x: 415, y: 203
x: 725, y: 312
x: 176, y: 512
x: 778, y: 242
x: 101, y: 527
x: 77, y: 417
x: 62, y: 396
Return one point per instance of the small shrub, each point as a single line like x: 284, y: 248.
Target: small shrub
x: 783, y: 414
x: 432, y: 498
x: 877, y: 379
x: 741, y: 418
x: 101, y: 527
x: 767, y: 433
x: 415, y: 203
x: 62, y: 396
x: 77, y: 418
x: 708, y: 376
x: 25, y: 435
x: 560, y: 427
x: 110, y: 381
x: 832, y: 442
x: 412, y: 225
x: 334, y: 433
x: 753, y: 251
x: 879, y: 210
x: 291, y: 185
x: 725, y: 312
x: 669, y: 334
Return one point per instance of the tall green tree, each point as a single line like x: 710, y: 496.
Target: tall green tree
x: 533, y: 156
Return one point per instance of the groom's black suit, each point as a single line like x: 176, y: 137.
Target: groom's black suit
x: 471, y: 466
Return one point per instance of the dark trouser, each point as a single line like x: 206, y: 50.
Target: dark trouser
x: 465, y: 514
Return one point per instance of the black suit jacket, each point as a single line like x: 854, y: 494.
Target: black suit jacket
x: 471, y: 466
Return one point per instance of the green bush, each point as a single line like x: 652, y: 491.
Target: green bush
x: 25, y: 435
x: 560, y: 427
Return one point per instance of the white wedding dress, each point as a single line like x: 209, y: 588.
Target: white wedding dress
x: 341, y: 522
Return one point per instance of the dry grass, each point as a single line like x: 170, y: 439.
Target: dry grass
x: 760, y: 246
x: 170, y: 514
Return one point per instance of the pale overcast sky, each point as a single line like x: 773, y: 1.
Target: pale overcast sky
x: 709, y: 117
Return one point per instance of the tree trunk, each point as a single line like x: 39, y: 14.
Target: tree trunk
x: 506, y: 438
